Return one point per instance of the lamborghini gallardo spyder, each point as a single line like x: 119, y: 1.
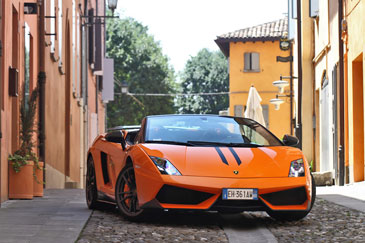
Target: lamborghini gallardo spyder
x: 199, y: 162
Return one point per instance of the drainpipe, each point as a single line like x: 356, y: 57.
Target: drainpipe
x: 84, y: 73
x: 41, y: 83
x: 341, y: 147
x: 1, y: 99
x: 291, y: 88
x: 298, y: 129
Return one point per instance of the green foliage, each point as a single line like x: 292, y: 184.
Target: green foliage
x: 28, y: 110
x: 138, y: 61
x: 207, y: 72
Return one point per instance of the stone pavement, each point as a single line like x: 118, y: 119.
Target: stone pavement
x: 350, y: 195
x: 57, y: 217
x: 61, y: 215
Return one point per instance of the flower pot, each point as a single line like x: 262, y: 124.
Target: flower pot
x: 21, y: 183
x: 38, y: 180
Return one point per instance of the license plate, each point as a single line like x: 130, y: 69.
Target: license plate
x: 239, y: 194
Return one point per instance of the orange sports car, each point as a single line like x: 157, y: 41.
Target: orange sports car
x: 203, y: 162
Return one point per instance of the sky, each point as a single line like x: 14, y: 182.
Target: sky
x: 185, y: 27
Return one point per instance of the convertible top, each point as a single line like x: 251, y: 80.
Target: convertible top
x: 128, y: 127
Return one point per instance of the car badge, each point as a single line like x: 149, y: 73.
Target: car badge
x: 235, y: 172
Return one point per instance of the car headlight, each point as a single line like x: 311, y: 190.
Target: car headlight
x: 165, y: 166
x: 296, y: 168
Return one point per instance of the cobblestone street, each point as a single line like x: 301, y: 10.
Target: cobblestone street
x: 327, y: 222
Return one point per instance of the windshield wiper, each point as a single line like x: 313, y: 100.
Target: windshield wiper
x: 170, y: 142
x: 207, y: 143
x: 248, y: 145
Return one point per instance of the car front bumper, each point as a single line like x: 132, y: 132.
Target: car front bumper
x: 205, y: 193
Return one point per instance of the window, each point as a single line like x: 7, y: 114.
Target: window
x: 74, y: 37
x: 313, y: 8
x: 59, y: 36
x: 252, y: 62
x: 292, y: 15
x: 52, y: 25
x: 26, y: 63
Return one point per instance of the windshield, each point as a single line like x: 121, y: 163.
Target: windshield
x: 207, y: 130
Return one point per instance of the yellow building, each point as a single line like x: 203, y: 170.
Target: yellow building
x: 353, y: 35
x: 325, y: 59
x: 333, y: 84
x: 252, y: 55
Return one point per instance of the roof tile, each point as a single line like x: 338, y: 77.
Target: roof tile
x: 278, y: 28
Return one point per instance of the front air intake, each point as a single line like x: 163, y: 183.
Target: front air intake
x: 295, y: 196
x: 178, y: 195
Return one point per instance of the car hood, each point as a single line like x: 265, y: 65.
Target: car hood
x: 234, y: 162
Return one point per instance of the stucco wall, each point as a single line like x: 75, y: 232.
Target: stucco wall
x: 270, y: 70
x: 10, y: 105
x: 325, y: 59
x: 355, y: 46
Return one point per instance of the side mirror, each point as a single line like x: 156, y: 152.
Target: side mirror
x: 290, y: 140
x: 116, y: 137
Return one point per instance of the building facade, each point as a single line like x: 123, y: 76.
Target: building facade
x: 255, y: 58
x: 332, y: 35
x: 57, y: 46
x: 353, y: 27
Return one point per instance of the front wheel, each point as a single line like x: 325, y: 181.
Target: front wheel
x: 294, y: 215
x: 91, y: 189
x: 126, y: 194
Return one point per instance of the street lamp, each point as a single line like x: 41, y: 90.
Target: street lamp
x: 124, y: 87
x: 276, y: 102
x: 281, y: 84
x: 112, y: 4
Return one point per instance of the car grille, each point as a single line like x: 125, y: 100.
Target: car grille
x: 178, y: 195
x: 243, y: 205
x: 295, y: 196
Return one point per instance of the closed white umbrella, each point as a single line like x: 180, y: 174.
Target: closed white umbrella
x: 253, y: 107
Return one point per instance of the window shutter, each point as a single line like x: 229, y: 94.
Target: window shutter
x: 255, y: 62
x: 265, y: 113
x: 98, y: 47
x: 91, y: 37
x: 247, y: 61
x: 238, y: 110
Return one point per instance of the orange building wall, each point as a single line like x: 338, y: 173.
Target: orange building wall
x: 10, y: 105
x: 59, y: 97
x: 279, y: 120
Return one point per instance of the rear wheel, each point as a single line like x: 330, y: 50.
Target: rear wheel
x: 294, y: 215
x: 126, y: 194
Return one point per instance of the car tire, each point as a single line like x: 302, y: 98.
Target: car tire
x: 90, y: 187
x: 126, y: 195
x: 294, y: 215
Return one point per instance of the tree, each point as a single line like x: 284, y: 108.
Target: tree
x: 138, y: 61
x: 205, y: 73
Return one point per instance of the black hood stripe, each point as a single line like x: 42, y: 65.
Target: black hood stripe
x: 224, y: 160
x: 235, y: 155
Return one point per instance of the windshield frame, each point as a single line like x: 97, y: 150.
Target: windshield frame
x: 240, y: 120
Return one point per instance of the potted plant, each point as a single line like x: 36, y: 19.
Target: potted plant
x: 24, y: 167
